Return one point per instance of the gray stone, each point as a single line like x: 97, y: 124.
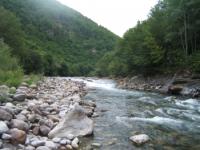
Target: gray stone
x: 43, y: 148
x: 65, y: 141
x: 5, y: 115
x: 18, y: 136
x: 37, y: 143
x: 56, y: 140
x: 51, y: 145
x: 19, y: 124
x: 75, y: 122
x: 3, y: 127
x: 29, y: 147
x: 19, y: 97
x: 21, y: 117
x: 139, y: 139
x: 44, y: 130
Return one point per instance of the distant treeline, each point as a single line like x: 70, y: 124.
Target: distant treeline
x: 169, y: 40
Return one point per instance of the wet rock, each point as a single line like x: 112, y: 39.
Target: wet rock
x: 17, y: 136
x: 75, y: 123
x: 96, y: 144
x: 19, y: 97
x: 175, y: 89
x: 44, y: 130
x: 3, y: 127
x: 139, y: 139
x: 19, y: 124
x: 5, y: 115
x: 43, y: 148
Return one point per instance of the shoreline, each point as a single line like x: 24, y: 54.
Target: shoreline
x: 32, y: 115
x: 175, y: 85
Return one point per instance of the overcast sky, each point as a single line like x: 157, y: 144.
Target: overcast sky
x: 116, y: 15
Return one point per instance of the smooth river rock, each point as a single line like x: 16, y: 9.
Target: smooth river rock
x: 139, y: 139
x: 75, y: 122
x: 3, y: 127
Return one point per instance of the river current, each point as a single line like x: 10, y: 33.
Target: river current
x: 171, y: 123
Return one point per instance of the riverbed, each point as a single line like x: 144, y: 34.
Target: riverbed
x: 171, y: 123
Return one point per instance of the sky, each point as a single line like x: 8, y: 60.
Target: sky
x: 116, y: 15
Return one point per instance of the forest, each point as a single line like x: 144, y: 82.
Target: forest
x: 168, y: 41
x: 48, y: 38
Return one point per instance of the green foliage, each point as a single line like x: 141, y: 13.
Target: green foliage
x: 51, y: 38
x: 166, y: 41
x: 10, y: 72
x: 33, y: 78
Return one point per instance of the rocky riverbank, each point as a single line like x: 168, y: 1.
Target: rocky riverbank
x: 185, y: 84
x: 49, y: 115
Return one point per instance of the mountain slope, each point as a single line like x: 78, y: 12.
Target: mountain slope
x: 67, y: 42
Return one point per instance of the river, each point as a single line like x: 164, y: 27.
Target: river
x: 170, y: 123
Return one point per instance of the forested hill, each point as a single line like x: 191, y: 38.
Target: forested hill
x: 50, y: 38
x: 167, y: 42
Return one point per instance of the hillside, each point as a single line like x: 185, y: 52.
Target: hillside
x: 166, y: 43
x: 51, y: 38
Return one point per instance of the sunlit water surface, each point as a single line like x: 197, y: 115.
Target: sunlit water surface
x: 171, y: 124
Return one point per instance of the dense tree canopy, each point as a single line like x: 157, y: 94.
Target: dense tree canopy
x: 167, y: 41
x: 51, y: 38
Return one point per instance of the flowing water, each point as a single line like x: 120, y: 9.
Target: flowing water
x: 170, y: 123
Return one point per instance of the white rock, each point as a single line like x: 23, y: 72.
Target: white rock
x: 6, y: 136
x: 37, y: 143
x: 3, y: 127
x: 56, y: 140
x: 140, y: 139
x: 51, y: 145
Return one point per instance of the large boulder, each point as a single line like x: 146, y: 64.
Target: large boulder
x: 75, y: 122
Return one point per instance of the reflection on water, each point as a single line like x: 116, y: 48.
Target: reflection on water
x: 170, y: 123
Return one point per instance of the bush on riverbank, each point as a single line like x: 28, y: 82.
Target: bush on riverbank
x: 11, y: 73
